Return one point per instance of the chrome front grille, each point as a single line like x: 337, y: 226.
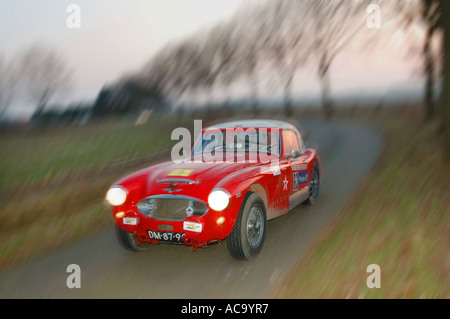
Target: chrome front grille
x: 171, y: 207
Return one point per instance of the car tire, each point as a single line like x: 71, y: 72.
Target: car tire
x: 314, y: 185
x: 247, y: 237
x: 129, y: 241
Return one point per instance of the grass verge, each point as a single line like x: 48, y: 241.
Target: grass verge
x: 398, y: 219
x: 53, y: 182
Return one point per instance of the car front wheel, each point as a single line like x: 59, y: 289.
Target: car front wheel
x: 129, y: 241
x: 247, y: 237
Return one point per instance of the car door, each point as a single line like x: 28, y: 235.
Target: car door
x: 296, y: 169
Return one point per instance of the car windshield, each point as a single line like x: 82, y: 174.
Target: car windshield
x: 248, y: 140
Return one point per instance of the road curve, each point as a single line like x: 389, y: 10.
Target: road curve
x: 348, y: 151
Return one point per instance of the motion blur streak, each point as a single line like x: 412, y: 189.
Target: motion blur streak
x: 80, y: 107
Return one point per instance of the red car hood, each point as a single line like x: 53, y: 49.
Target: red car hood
x: 190, y: 179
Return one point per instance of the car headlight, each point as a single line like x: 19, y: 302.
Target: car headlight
x: 218, y: 200
x: 116, y: 196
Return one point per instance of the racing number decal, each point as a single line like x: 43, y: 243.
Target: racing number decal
x: 299, y: 178
x: 295, y: 181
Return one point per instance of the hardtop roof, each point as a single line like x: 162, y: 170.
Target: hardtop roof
x: 254, y: 124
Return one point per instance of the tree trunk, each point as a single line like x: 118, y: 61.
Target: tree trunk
x: 324, y: 75
x: 327, y: 104
x: 227, y: 103
x: 288, y: 96
x: 445, y: 107
x: 37, y: 119
x: 254, y: 93
x: 429, y: 73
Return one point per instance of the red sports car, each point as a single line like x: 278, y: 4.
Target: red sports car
x: 238, y: 176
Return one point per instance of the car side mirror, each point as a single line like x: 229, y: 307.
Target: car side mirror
x: 295, y: 153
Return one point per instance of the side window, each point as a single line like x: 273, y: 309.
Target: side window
x: 290, y: 142
x: 301, y: 144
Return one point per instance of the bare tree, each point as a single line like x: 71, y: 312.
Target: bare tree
x: 43, y: 73
x: 444, y: 9
x: 254, y: 28
x: 221, y: 48
x: 9, y: 85
x: 2, y: 86
x: 285, y: 33
x: 186, y: 66
x: 4, y: 92
x: 159, y: 73
x: 425, y: 14
x: 226, y: 68
x: 287, y: 46
x: 430, y: 14
x: 334, y: 24
x: 250, y: 69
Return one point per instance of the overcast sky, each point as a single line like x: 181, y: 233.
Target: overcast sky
x: 116, y: 36
x: 119, y: 36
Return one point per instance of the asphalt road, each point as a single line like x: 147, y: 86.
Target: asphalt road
x: 348, y: 152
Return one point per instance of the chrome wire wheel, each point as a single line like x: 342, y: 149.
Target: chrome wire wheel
x: 247, y: 237
x: 255, y: 226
